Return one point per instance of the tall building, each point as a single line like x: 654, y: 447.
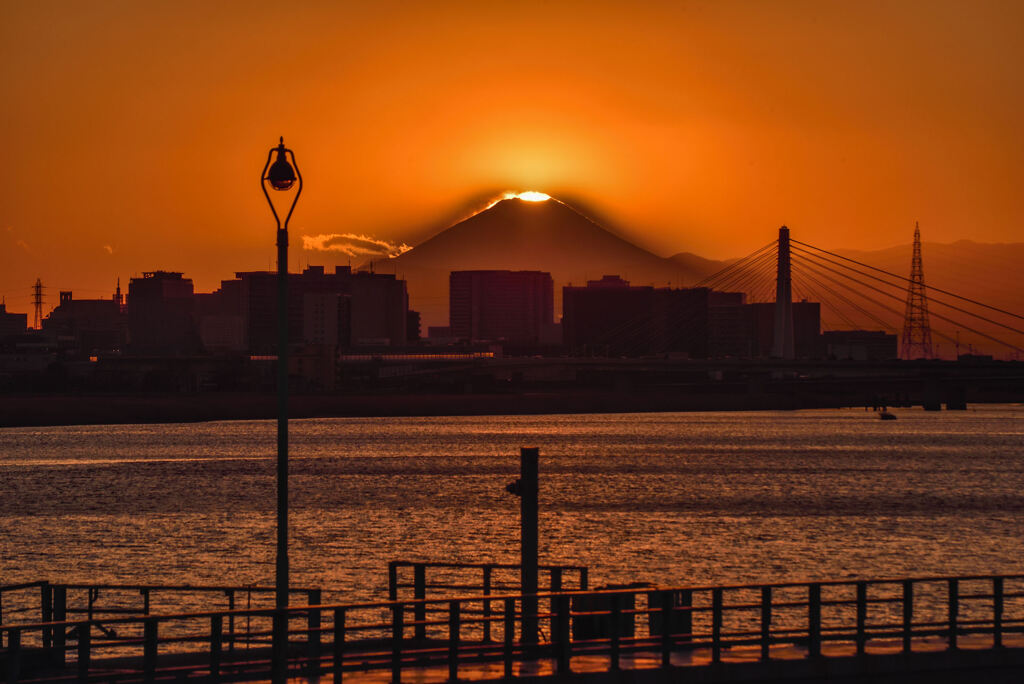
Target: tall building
x: 87, y: 326
x: 161, y: 315
x: 510, y: 306
x: 611, y: 317
x: 12, y: 323
x: 341, y: 309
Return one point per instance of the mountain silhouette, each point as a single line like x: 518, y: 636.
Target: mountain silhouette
x: 516, y: 234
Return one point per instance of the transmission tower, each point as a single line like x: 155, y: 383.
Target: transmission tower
x: 37, y: 304
x: 917, y: 332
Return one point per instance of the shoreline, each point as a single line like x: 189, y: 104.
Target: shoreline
x: 40, y: 410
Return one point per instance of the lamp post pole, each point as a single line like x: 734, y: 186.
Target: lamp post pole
x: 281, y: 176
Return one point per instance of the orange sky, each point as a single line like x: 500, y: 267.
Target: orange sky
x: 134, y: 132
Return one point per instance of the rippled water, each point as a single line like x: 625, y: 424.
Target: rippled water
x: 664, y: 498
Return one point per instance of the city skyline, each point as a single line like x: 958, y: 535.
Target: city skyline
x: 136, y: 131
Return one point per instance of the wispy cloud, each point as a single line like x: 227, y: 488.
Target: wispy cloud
x: 108, y: 249
x: 23, y: 245
x: 353, y: 245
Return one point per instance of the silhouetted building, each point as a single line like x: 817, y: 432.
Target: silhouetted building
x: 728, y: 325
x: 509, y: 306
x: 860, y: 345
x: 87, y: 326
x: 12, y: 323
x: 339, y: 309
x: 412, y: 326
x: 806, y: 329
x: 609, y: 317
x: 161, y: 315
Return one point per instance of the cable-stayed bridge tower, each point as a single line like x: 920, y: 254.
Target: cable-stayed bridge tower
x: 916, y: 342
x: 782, y: 346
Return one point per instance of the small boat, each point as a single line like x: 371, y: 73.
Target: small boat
x: 885, y: 415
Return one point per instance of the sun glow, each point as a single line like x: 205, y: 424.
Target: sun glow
x: 532, y: 196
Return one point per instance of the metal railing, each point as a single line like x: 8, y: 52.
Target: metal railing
x: 819, y: 619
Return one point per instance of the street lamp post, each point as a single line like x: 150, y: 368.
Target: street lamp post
x: 281, y: 176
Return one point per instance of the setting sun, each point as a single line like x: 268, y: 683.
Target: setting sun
x: 532, y: 196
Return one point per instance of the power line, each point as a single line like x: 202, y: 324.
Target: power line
x: 893, y: 275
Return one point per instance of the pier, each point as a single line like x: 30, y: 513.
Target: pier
x: 938, y: 628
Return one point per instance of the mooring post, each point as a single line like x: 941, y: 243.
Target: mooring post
x: 529, y: 457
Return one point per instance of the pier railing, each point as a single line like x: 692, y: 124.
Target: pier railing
x: 664, y: 627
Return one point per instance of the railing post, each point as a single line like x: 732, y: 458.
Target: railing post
x: 615, y: 628
x: 908, y: 614
x: 149, y: 641
x: 339, y: 643
x: 313, y: 632
x: 862, y: 617
x: 997, y: 612
x: 954, y: 611
x: 84, y: 650
x: 392, y: 580
x: 60, y: 614
x: 13, y: 654
x: 487, y: 604
x: 453, y: 641
x: 216, y: 645
x: 814, y: 620
x: 510, y: 634
x: 397, y: 629
x: 584, y: 579
x: 231, y: 621
x: 279, y: 650
x: 145, y: 601
x: 716, y: 625
x: 665, y: 598
x: 46, y: 613
x: 766, y: 622
x: 564, y: 635
x: 420, y: 593
x: 684, y: 614
x: 556, y: 579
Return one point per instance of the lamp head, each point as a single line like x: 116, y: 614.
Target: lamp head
x: 281, y: 175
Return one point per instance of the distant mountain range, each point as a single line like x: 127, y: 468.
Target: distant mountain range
x: 552, y: 236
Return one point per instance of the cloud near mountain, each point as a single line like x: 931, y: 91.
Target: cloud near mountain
x: 353, y: 245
